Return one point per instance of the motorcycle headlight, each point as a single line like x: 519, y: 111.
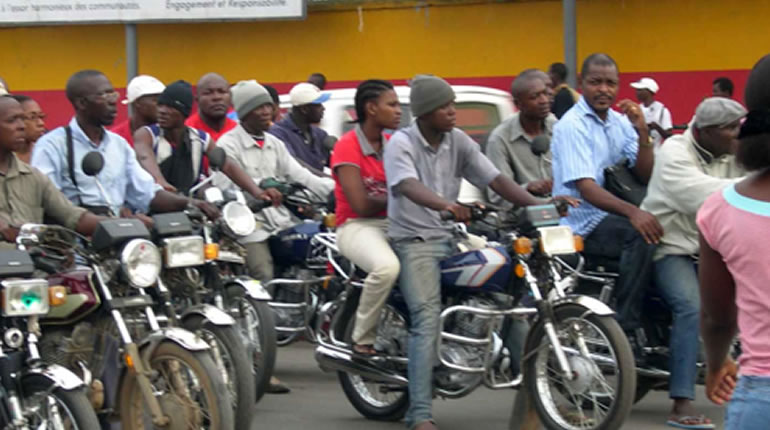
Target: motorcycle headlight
x: 141, y: 263
x: 184, y: 251
x: 25, y: 297
x: 557, y: 240
x: 239, y: 218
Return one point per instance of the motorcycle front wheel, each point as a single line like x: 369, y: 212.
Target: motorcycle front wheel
x: 257, y: 326
x: 47, y: 407
x: 601, y: 393
x: 233, y: 361
x: 188, y: 387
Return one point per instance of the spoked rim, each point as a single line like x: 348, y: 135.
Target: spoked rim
x: 374, y: 393
x: 228, y: 373
x: 194, y: 409
x: 41, y: 403
x: 589, y: 398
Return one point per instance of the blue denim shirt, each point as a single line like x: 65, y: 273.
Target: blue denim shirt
x: 583, y: 146
x: 312, y: 153
x: 123, y: 179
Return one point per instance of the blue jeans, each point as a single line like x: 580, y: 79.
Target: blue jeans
x: 420, y: 283
x: 676, y: 278
x: 749, y: 408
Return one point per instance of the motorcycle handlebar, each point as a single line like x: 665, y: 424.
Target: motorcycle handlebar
x: 257, y: 205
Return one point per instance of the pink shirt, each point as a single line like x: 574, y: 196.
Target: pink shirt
x: 738, y: 228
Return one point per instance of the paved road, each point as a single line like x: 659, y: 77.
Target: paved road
x: 317, y: 403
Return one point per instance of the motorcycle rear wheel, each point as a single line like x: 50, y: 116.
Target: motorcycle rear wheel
x: 73, y: 406
x: 611, y: 357
x: 208, y: 407
x: 367, y: 396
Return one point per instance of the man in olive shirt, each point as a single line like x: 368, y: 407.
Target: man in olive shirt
x: 27, y: 195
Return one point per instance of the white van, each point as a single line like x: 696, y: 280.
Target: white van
x: 479, y: 111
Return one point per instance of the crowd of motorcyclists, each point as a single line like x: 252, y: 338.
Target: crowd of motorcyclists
x: 395, y: 198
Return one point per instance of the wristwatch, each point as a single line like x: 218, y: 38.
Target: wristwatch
x: 650, y: 142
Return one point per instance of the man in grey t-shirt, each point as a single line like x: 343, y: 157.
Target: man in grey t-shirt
x: 424, y: 165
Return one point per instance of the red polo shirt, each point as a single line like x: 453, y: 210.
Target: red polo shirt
x: 195, y: 121
x: 353, y: 149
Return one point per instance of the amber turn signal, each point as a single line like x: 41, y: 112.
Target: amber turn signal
x: 522, y: 246
x: 519, y: 270
x: 579, y: 245
x: 211, y: 251
x: 57, y: 295
x: 129, y: 361
x: 330, y: 221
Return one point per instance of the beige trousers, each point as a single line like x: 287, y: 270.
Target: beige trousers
x: 363, y: 242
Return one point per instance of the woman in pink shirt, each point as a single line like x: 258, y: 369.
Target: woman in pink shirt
x: 735, y: 272
x: 362, y: 202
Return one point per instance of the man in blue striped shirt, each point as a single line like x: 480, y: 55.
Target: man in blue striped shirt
x: 589, y: 138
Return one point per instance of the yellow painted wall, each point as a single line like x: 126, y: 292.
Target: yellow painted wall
x: 464, y: 40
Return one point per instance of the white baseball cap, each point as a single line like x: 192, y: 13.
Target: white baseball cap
x: 142, y: 85
x: 646, y: 84
x: 306, y: 93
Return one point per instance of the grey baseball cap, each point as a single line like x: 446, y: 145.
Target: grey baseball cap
x: 718, y: 111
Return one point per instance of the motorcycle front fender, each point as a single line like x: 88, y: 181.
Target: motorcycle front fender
x: 593, y: 305
x: 212, y: 313
x: 253, y: 288
x: 180, y: 336
x: 60, y: 376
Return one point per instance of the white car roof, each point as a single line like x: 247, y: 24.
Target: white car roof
x: 403, y: 92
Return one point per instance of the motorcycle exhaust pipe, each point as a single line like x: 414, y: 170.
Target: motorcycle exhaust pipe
x: 333, y: 359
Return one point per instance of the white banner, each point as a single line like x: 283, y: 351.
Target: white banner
x: 41, y: 12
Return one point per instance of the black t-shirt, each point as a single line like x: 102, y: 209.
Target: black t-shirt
x: 562, y: 102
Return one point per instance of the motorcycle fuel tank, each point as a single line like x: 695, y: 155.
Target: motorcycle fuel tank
x: 82, y: 297
x: 291, y: 246
x: 488, y: 269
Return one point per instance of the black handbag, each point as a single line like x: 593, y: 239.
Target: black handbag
x: 623, y: 183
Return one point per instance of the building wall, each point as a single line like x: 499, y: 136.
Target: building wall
x: 683, y: 44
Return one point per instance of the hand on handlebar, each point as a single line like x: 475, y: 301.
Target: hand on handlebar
x: 211, y: 211
x: 461, y: 213
x: 564, y: 202
x: 272, y: 195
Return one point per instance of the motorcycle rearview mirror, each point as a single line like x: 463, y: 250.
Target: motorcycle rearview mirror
x: 92, y: 163
x: 541, y: 145
x: 217, y: 158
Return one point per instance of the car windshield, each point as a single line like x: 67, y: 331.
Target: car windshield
x: 475, y: 118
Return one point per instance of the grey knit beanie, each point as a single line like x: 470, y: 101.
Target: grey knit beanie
x: 247, y: 96
x: 429, y: 93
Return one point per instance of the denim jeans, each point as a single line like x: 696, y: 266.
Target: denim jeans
x: 420, y: 283
x: 749, y: 408
x: 615, y: 237
x: 676, y: 277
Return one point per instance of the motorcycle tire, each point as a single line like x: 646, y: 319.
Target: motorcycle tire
x: 240, y: 371
x: 213, y: 392
x: 353, y: 385
x: 608, y: 413
x: 73, y: 405
x: 263, y: 361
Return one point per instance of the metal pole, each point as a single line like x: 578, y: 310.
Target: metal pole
x: 132, y: 54
x: 570, y: 41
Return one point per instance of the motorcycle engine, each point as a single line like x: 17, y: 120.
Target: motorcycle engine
x: 472, y: 326
x: 65, y: 348
x: 287, y: 293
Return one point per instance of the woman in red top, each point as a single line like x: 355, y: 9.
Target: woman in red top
x: 361, y: 194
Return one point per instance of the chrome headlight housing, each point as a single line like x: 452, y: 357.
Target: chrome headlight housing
x: 141, y: 263
x: 25, y: 297
x: 557, y: 240
x: 184, y: 251
x: 239, y: 218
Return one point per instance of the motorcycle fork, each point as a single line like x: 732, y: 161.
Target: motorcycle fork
x: 545, y: 311
x: 133, y: 359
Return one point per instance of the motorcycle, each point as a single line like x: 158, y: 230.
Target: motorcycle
x: 34, y: 395
x: 597, y: 277
x: 577, y: 362
x: 302, y: 283
x: 150, y: 376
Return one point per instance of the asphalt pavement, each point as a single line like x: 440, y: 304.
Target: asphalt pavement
x: 317, y: 402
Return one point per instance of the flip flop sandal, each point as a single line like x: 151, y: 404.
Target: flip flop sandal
x: 681, y: 422
x: 365, y: 350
